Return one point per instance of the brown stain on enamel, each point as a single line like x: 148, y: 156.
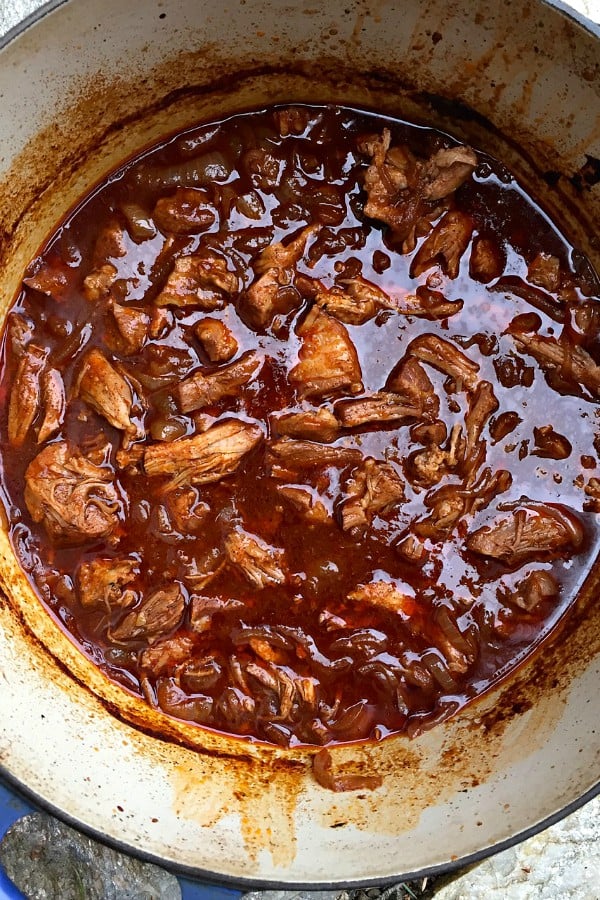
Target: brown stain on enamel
x: 265, y: 805
x: 106, y: 119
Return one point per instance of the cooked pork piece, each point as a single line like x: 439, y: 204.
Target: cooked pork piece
x: 102, y: 582
x: 530, y: 532
x: 286, y: 457
x: 204, y: 608
x: 187, y: 512
x: 430, y: 465
x: 76, y: 499
x: 187, y: 211
x: 217, y: 341
x: 374, y: 487
x: 311, y: 425
x: 385, y: 596
x: 49, y: 279
x: 445, y: 356
x: 381, y: 408
x: 447, y: 243
x: 482, y: 405
x: 260, y: 564
x: 410, y: 380
x: 305, y: 503
x: 25, y: 394
x: 53, y: 404
x: 161, y: 322
x: 486, y: 261
x: 204, y: 458
x: 291, y: 120
x: 205, y: 390
x: 446, y: 170
x: 200, y: 281
x: 357, y: 301
x: 403, y: 192
x: 166, y: 655
x: 450, y: 503
x: 569, y: 361
x: 544, y: 271
x: 428, y: 304
x: 533, y: 590
x: 389, y: 182
x: 111, y: 243
x: 154, y: 618
x: 284, y: 256
x: 133, y: 325
x: 106, y: 391
x: 274, y: 292
x: 328, y: 359
x: 19, y: 333
x: 202, y: 570
x: 97, y: 285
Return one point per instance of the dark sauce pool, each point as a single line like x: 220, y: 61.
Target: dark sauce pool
x: 287, y: 655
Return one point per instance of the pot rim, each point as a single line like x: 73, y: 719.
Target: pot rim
x: 50, y: 5
x: 208, y: 877
x: 242, y: 883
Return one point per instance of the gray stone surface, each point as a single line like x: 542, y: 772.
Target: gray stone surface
x: 12, y: 11
x: 50, y: 861
x: 560, y: 863
x: 411, y: 891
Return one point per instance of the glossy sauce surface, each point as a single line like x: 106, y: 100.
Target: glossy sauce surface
x: 248, y: 601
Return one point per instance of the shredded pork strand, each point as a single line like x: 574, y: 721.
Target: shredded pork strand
x: 205, y: 458
x: 260, y: 564
x: 286, y: 457
x: 25, y: 394
x: 571, y: 362
x: 205, y: 389
x: 445, y: 356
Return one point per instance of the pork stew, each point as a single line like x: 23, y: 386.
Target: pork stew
x: 299, y: 428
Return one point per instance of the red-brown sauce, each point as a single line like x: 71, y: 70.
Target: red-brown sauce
x: 268, y: 594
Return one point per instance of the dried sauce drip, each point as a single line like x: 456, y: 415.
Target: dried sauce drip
x: 300, y: 425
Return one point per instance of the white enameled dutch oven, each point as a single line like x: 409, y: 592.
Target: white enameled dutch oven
x: 84, y: 84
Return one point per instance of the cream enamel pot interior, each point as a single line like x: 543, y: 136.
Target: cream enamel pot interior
x: 85, y: 84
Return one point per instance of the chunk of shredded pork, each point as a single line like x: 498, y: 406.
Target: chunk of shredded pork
x: 529, y: 532
x: 155, y: 617
x: 202, y: 389
x: 328, y: 360
x: 106, y: 391
x: 103, y: 582
x: 76, y: 500
x: 260, y: 564
x: 25, y: 394
x: 374, y: 487
x: 205, y: 457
